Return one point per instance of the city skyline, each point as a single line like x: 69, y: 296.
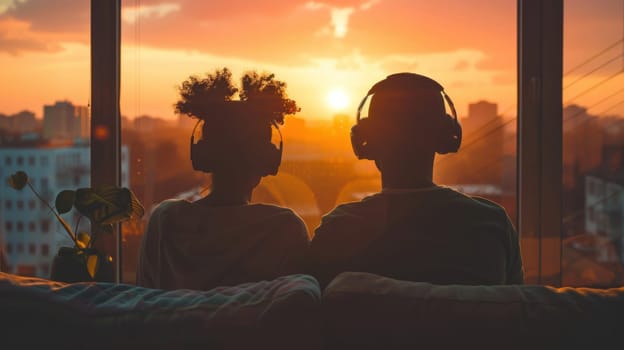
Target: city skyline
x: 505, y: 114
x: 321, y: 49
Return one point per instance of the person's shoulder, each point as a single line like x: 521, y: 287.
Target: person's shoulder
x: 170, y: 205
x: 480, y: 204
x: 365, y: 207
x: 173, y: 203
x: 272, y: 209
x: 350, y: 217
x: 282, y: 214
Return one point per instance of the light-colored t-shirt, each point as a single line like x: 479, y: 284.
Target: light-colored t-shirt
x: 434, y: 234
x: 193, y: 246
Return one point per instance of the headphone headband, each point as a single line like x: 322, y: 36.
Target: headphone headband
x: 407, y: 81
x: 281, y: 144
x: 448, y: 130
x: 204, y: 159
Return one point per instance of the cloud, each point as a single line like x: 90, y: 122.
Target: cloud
x: 15, y: 46
x: 59, y: 16
x: 340, y: 12
x: 340, y: 21
x: 290, y: 31
x: 131, y: 14
x: 41, y: 26
x: 16, y: 37
x: 369, y: 4
x: 310, y: 79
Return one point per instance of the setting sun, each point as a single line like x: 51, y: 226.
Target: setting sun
x: 337, y: 99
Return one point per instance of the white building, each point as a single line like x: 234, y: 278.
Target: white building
x: 31, y: 234
x: 604, y: 210
x: 63, y: 120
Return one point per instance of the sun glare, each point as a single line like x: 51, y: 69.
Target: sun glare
x: 337, y: 99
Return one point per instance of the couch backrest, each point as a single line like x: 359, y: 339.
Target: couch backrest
x: 358, y: 310
x: 363, y: 311
x: 283, y: 314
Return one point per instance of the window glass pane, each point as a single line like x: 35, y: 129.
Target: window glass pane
x: 44, y: 124
x: 593, y: 144
x: 329, y: 54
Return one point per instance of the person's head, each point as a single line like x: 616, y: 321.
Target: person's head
x: 406, y: 124
x: 236, y: 145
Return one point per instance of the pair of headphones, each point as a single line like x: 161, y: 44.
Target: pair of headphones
x: 448, y: 130
x: 207, y: 155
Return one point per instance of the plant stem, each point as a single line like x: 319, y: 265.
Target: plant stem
x: 77, y: 223
x: 60, y: 219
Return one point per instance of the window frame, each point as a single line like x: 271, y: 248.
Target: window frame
x: 539, y: 125
x: 539, y: 169
x: 105, y: 111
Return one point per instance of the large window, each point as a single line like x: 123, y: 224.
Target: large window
x: 329, y: 55
x: 44, y: 124
x: 593, y: 144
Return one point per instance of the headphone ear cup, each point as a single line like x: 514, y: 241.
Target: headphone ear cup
x: 202, y: 157
x: 272, y: 161
x: 449, y: 135
x: 360, y: 140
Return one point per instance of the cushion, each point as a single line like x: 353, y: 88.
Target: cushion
x: 282, y: 313
x: 362, y: 310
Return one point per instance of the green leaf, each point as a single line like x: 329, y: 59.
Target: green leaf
x: 108, y: 204
x: 18, y: 180
x: 65, y: 201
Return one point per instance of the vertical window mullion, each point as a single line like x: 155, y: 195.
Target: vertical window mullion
x: 540, y: 63
x: 105, y: 116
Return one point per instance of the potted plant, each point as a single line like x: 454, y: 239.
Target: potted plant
x: 104, y: 207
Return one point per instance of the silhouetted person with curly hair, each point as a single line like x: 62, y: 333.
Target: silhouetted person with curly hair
x: 222, y: 239
x: 414, y: 229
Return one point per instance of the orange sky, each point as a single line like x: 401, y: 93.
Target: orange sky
x: 315, y: 46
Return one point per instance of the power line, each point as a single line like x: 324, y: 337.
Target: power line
x: 498, y: 127
x: 606, y: 98
x: 612, y: 106
x: 501, y: 157
x: 621, y: 40
x: 584, y: 92
x: 489, y: 164
x: 510, y: 107
x: 595, y: 86
x: 483, y: 127
x: 595, y: 104
x: 593, y: 70
x: 477, y: 140
x: 496, y: 159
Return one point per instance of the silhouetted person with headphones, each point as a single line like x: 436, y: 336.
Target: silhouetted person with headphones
x: 414, y: 229
x: 222, y: 239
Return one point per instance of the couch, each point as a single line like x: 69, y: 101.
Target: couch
x: 355, y: 311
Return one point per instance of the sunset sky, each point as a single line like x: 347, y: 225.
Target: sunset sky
x: 320, y: 48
